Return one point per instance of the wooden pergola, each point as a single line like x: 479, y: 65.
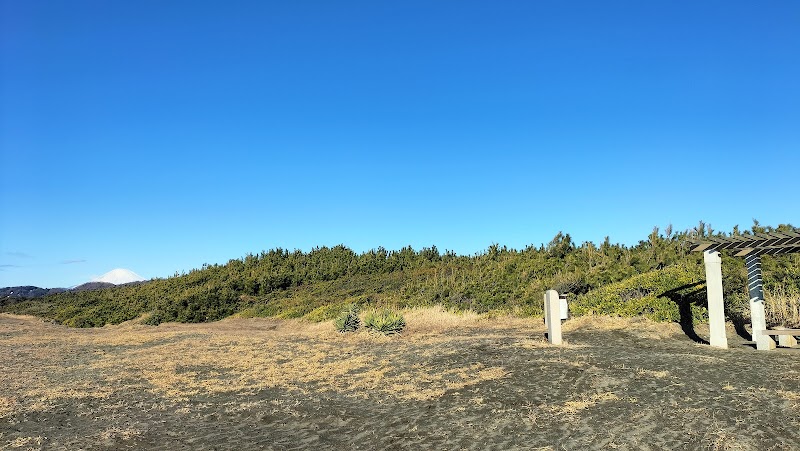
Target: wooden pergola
x: 751, y: 247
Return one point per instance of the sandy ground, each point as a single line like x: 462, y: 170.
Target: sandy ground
x: 449, y: 382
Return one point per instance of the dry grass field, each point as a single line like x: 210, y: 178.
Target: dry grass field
x: 448, y: 382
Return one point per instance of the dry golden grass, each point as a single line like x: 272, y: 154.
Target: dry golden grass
x: 26, y: 442
x: 783, y: 306
x: 722, y: 440
x: 179, y: 361
x: 701, y: 358
x: 123, y: 433
x: 637, y: 327
x: 791, y: 396
x: 7, y: 406
x: 584, y: 402
x: 652, y: 373
x: 434, y: 320
x: 494, y: 380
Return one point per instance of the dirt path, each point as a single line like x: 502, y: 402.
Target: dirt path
x: 448, y: 383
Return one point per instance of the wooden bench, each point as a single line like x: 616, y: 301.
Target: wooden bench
x: 785, y: 336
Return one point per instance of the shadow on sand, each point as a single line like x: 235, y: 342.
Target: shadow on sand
x: 695, y: 293
x: 739, y: 322
x: 684, y: 297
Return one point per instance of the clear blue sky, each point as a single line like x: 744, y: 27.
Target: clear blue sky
x: 161, y: 135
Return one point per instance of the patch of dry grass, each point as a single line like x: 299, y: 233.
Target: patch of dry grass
x: 791, y: 396
x: 119, y: 433
x: 218, y: 365
x: 25, y: 442
x: 179, y: 361
x: 434, y: 320
x: 584, y: 402
x: 495, y: 379
x: 782, y: 306
x: 700, y: 357
x: 639, y: 327
x: 642, y: 372
x: 7, y: 406
x: 723, y: 440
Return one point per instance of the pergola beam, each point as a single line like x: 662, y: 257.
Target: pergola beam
x: 768, y: 251
x: 740, y: 245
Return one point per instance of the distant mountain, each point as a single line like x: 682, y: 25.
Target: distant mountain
x: 119, y: 276
x: 12, y: 295
x: 113, y: 278
x: 28, y: 292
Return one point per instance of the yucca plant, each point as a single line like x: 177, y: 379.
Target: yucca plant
x: 348, y: 320
x: 384, y: 321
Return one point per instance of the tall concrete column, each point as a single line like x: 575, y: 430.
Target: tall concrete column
x: 757, y: 313
x: 552, y: 316
x: 716, y: 304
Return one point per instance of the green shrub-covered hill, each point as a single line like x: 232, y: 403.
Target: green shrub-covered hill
x: 658, y: 278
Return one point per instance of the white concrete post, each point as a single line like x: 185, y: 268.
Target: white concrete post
x: 787, y: 341
x: 716, y: 304
x: 757, y: 314
x: 552, y: 316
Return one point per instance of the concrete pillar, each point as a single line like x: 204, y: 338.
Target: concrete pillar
x: 716, y: 304
x: 787, y: 341
x: 757, y: 314
x: 552, y: 316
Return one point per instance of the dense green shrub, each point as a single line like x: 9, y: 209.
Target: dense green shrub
x: 384, y: 321
x: 348, y: 320
x: 669, y: 294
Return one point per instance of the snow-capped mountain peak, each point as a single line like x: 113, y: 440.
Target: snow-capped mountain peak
x: 119, y: 276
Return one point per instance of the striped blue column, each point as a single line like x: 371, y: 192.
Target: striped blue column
x: 754, y: 283
x: 758, y: 318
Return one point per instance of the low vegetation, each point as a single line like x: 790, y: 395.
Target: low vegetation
x: 348, y: 320
x: 658, y: 278
x: 384, y: 321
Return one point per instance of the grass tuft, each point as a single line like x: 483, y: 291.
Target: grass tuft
x: 384, y: 321
x: 348, y: 320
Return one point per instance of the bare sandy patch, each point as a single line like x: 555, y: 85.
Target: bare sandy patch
x: 453, y: 382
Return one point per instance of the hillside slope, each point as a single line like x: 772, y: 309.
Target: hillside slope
x: 657, y: 278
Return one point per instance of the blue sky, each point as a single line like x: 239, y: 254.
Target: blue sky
x: 158, y: 136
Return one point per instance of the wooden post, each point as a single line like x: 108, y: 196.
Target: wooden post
x: 552, y: 316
